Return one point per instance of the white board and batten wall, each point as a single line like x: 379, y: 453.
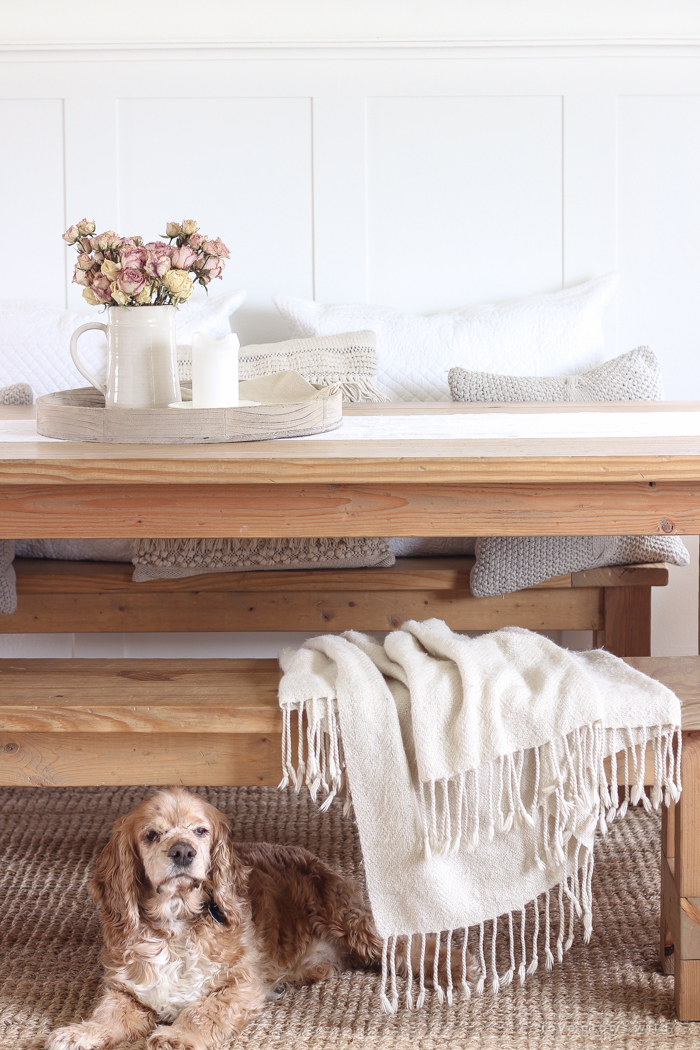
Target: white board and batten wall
x: 419, y: 174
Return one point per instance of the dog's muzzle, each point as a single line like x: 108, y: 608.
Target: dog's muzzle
x: 182, y: 854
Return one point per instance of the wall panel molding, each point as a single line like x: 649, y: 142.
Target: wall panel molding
x: 375, y: 49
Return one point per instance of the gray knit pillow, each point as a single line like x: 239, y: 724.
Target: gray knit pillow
x: 635, y: 376
x: 16, y: 394
x: 508, y: 563
x: 172, y: 559
x: 8, y: 591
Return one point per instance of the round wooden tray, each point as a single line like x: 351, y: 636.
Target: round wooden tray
x: 80, y: 415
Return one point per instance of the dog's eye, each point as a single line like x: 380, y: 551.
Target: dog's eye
x: 151, y: 836
x: 200, y: 831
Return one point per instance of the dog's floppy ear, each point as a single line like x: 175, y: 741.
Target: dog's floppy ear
x: 226, y: 871
x: 117, y: 882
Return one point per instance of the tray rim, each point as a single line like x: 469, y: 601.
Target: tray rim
x: 328, y: 407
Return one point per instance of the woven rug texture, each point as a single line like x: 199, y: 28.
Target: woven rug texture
x: 611, y: 993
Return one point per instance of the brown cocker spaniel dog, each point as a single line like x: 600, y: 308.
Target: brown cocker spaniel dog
x: 200, y: 931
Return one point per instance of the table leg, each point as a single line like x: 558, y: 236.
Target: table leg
x: 680, y: 886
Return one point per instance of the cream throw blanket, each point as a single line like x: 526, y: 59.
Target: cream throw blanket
x: 476, y: 768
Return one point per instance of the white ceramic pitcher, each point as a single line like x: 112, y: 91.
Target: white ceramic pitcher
x: 142, y: 362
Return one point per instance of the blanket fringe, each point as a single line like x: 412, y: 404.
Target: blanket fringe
x: 570, y: 781
x: 451, y: 962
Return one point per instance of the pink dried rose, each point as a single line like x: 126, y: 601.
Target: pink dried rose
x: 86, y: 227
x: 108, y: 241
x: 101, y: 288
x: 82, y: 273
x: 71, y: 235
x: 81, y: 277
x: 134, y: 258
x: 216, y: 247
x: 130, y: 281
x: 158, y: 259
x: 196, y: 240
x: 85, y: 244
x: 183, y: 258
x: 208, y: 268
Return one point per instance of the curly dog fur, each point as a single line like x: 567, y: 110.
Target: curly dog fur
x: 200, y: 931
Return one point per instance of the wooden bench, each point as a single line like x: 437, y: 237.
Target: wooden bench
x: 217, y: 722
x: 55, y: 596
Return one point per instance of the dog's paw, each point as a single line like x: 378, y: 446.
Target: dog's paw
x: 170, y: 1039
x: 76, y: 1037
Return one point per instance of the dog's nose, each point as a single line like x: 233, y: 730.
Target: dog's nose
x: 182, y: 854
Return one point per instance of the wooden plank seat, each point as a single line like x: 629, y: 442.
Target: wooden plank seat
x: 55, y: 596
x: 217, y: 722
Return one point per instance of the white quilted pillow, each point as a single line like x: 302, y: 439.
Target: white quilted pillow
x: 543, y: 335
x: 34, y: 339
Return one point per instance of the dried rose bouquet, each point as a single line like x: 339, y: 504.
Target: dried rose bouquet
x: 123, y: 271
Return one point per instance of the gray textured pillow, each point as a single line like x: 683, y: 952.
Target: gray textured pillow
x: 635, y: 376
x: 8, y: 590
x: 16, y: 394
x: 171, y: 559
x: 432, y: 546
x: 508, y: 563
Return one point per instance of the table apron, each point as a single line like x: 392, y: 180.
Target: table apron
x: 127, y: 510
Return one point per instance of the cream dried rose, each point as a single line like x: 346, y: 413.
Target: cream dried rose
x: 119, y: 296
x: 178, y: 284
x: 144, y: 296
x: 90, y: 297
x: 110, y: 269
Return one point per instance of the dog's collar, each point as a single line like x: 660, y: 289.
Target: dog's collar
x: 215, y: 912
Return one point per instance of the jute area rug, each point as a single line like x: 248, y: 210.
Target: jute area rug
x: 609, y: 994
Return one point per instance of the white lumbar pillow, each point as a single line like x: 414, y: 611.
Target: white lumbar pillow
x: 34, y: 339
x: 557, y: 333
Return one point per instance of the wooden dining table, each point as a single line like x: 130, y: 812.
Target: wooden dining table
x: 407, y: 484
x: 390, y: 470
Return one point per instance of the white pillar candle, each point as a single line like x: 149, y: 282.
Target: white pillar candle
x: 214, y: 371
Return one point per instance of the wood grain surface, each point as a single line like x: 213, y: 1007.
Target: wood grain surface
x: 83, y: 759
x: 140, y: 609
x: 80, y: 415
x: 95, y: 509
x: 332, y: 461
x: 49, y: 576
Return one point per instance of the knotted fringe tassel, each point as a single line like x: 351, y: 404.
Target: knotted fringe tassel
x: 321, y: 764
x: 424, y: 954
x: 575, y: 764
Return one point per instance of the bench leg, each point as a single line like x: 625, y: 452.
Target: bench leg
x: 680, y: 887
x: 627, y: 620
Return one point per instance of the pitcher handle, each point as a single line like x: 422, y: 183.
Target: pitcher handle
x: 76, y: 360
